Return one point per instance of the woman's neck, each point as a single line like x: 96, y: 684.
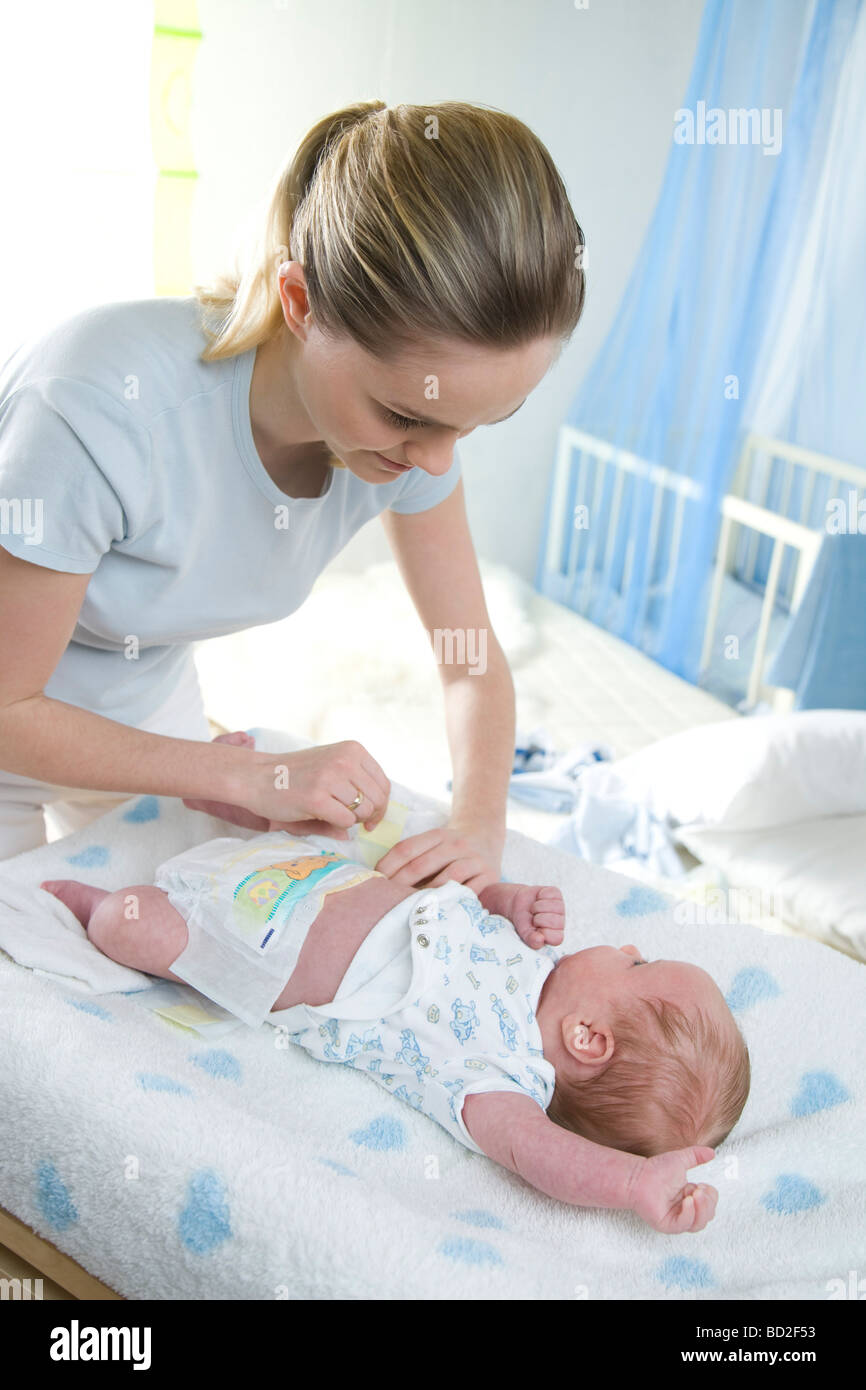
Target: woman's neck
x: 284, y: 437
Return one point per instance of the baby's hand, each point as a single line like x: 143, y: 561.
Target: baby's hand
x: 666, y: 1200
x: 538, y: 915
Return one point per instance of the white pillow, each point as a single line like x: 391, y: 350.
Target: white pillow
x: 811, y: 875
x: 745, y: 774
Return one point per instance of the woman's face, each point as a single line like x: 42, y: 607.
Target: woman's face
x: 411, y: 412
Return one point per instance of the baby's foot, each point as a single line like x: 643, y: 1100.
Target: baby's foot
x: 240, y: 736
x: 80, y: 898
x: 538, y: 915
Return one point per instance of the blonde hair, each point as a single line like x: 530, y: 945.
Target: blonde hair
x: 412, y: 223
x: 676, y: 1079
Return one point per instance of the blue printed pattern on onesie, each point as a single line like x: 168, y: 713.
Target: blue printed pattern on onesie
x: 471, y: 1028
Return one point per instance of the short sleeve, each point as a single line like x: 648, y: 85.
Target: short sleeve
x: 67, y: 452
x: 420, y: 491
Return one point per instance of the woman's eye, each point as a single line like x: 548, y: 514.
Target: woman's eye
x: 402, y: 421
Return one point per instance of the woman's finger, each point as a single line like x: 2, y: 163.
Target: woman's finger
x: 406, y: 851
x: 382, y: 783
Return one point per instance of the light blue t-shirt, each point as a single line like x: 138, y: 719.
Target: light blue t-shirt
x: 122, y: 455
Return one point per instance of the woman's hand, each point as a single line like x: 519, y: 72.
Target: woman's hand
x: 470, y: 855
x: 306, y: 792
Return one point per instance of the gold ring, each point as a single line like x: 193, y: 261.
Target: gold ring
x: 356, y: 803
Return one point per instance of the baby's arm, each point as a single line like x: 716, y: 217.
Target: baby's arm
x: 514, y: 1131
x: 537, y: 913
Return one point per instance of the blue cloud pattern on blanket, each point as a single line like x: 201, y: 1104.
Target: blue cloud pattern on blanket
x: 477, y: 1216
x: 749, y: 986
x: 204, y: 1222
x: 383, y: 1132
x: 682, y: 1272
x: 146, y: 808
x: 93, y: 857
x: 86, y: 1007
x: 641, y: 901
x: 52, y: 1197
x: 156, y: 1081
x: 471, y: 1252
x: 217, y: 1062
x: 819, y: 1090
x: 792, y: 1193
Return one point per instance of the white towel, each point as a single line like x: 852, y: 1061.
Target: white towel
x: 173, y: 1168
x: 39, y: 931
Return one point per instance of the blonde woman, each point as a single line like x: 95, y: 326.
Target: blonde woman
x: 176, y: 469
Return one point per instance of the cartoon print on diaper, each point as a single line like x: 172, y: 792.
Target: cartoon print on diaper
x: 275, y: 889
x: 465, y: 1023
x: 507, y: 1025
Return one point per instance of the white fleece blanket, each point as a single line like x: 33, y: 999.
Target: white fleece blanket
x: 173, y: 1164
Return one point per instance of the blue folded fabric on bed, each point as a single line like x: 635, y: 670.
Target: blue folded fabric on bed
x: 823, y: 653
x: 548, y: 780
x: 605, y: 830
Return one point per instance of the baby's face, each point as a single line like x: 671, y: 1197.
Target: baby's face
x: 584, y: 987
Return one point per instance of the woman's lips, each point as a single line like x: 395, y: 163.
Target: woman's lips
x: 395, y: 467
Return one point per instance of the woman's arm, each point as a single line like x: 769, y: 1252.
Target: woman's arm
x: 57, y: 742
x: 436, y: 557
x: 309, y: 790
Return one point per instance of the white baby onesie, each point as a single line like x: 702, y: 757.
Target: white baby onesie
x: 438, y: 1003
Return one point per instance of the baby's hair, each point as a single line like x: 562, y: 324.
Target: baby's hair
x: 676, y: 1079
x: 412, y: 223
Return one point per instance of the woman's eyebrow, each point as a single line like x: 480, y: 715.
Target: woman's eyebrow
x: 423, y: 420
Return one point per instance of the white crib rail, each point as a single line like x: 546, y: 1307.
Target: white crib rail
x: 580, y: 558
x: 746, y: 507
x: 747, y: 521
x: 783, y: 532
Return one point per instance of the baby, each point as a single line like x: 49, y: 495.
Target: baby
x: 598, y: 1077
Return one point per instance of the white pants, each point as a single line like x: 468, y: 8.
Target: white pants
x: 30, y: 808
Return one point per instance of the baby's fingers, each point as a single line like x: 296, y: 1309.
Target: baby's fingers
x: 547, y: 921
x: 700, y: 1205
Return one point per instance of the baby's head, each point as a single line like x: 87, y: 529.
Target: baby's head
x: 647, y: 1054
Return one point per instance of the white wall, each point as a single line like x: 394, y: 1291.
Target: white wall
x: 599, y: 86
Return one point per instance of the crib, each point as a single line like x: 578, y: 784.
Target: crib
x: 770, y: 528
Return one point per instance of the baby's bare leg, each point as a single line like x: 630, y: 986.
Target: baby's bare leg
x: 138, y: 927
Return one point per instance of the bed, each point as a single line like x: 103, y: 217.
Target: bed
x: 153, y: 1148
x: 328, y: 1187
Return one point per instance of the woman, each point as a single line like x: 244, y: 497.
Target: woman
x: 176, y: 469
